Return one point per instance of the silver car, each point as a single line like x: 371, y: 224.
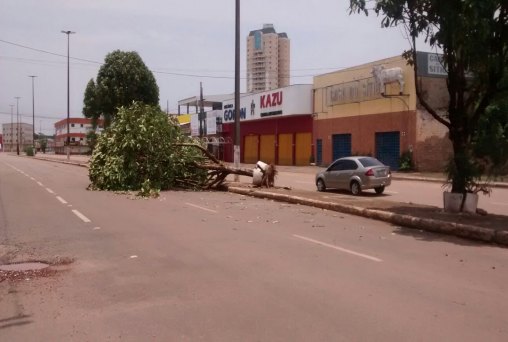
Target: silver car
x: 355, y: 174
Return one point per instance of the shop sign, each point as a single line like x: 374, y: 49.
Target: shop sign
x: 354, y: 91
x: 229, y: 113
x: 271, y: 100
x: 435, y: 65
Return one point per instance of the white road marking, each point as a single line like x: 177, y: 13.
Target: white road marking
x: 61, y: 200
x: 50, y: 191
x: 202, y: 208
x: 81, y: 216
x: 32, y: 179
x: 339, y: 248
x: 40, y: 183
x: 133, y: 256
x: 391, y: 192
x: 96, y: 228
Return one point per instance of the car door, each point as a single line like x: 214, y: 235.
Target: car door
x: 348, y: 169
x: 332, y: 174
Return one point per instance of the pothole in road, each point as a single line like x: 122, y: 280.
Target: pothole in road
x: 32, y: 269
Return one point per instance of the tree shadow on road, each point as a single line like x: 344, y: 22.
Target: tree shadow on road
x: 427, y: 236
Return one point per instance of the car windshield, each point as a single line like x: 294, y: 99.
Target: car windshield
x: 367, y: 162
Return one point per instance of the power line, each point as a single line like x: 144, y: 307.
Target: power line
x: 40, y: 61
x: 154, y: 71
x: 37, y: 116
x: 48, y: 52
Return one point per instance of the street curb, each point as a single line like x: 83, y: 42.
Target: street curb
x: 449, y: 228
x: 61, y: 161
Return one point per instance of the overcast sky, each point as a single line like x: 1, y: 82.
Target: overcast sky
x: 184, y: 42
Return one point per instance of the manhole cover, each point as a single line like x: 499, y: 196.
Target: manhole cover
x: 24, y: 266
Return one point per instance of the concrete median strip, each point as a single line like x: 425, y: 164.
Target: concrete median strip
x: 449, y: 228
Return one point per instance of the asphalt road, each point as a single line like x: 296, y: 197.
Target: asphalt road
x: 221, y: 267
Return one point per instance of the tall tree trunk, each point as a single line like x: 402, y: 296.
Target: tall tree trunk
x: 459, y: 170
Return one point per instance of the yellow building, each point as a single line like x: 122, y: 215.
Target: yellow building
x: 372, y: 109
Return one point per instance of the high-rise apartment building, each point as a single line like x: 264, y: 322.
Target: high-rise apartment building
x: 268, y: 59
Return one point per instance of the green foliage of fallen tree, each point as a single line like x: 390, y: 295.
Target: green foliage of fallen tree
x: 145, y: 151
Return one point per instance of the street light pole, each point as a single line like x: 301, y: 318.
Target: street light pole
x: 236, y: 152
x: 68, y: 33
x: 12, y: 124
x: 33, y: 112
x: 17, y: 125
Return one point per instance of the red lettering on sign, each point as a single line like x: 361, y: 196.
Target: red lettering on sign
x: 271, y: 100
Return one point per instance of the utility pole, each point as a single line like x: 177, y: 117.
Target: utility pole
x: 237, y: 89
x: 68, y: 33
x: 202, y: 119
x: 33, y: 112
x: 12, y: 126
x: 17, y: 125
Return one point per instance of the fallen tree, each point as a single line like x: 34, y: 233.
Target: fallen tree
x: 145, y: 151
x: 217, y: 171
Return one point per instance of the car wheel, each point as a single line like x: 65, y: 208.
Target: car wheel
x: 355, y: 188
x: 320, y: 185
x: 379, y: 190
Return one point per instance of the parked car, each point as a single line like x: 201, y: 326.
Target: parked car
x: 355, y: 174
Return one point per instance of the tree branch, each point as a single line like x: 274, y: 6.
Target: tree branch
x: 204, y: 150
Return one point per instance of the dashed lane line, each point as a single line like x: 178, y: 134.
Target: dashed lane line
x: 76, y: 212
x: 81, y: 216
x: 361, y: 255
x: 61, y: 200
x: 202, y: 208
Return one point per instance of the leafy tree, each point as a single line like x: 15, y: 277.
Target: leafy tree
x: 91, y: 106
x: 473, y: 35
x: 142, y: 150
x: 44, y: 144
x: 91, y: 138
x: 122, y: 79
x: 493, y: 132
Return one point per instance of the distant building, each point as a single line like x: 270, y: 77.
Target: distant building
x: 268, y: 59
x: 78, y: 130
x: 14, y: 133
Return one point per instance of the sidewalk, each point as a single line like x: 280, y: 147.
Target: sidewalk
x: 80, y: 160
x: 490, y: 228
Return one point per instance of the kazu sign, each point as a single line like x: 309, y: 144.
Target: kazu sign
x: 229, y: 113
x: 271, y: 100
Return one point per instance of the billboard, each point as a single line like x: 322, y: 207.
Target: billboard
x: 209, y: 124
x: 430, y: 64
x: 292, y: 100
